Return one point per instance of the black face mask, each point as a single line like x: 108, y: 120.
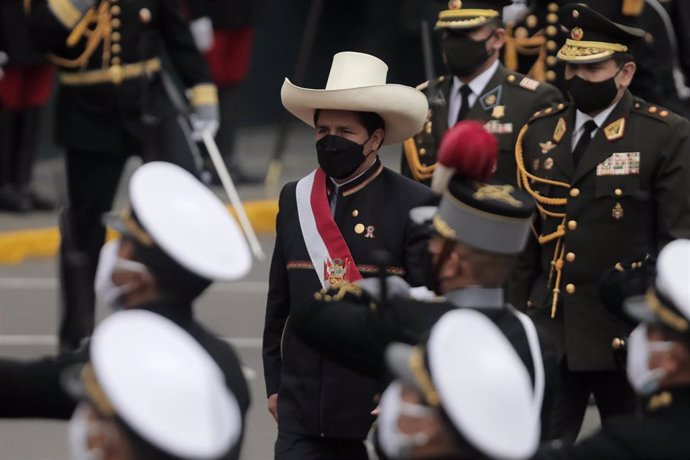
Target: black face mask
x: 339, y: 157
x: 591, y: 97
x: 464, y: 55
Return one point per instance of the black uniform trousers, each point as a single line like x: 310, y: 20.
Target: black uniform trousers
x: 291, y: 446
x: 612, y: 394
x: 92, y: 181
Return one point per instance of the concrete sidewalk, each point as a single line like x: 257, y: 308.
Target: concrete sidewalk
x: 35, y: 235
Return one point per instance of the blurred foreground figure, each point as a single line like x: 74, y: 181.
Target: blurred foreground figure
x: 150, y: 392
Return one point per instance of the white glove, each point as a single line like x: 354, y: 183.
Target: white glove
x: 202, y: 32
x: 396, y: 286
x: 516, y: 12
x: 199, y: 125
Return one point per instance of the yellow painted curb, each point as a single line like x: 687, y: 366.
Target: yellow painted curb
x: 17, y: 246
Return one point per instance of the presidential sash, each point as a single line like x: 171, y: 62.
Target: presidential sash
x: 328, y: 251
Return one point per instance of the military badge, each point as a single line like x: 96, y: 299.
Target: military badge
x: 499, y: 111
x: 546, y: 146
x: 548, y: 163
x: 337, y: 272
x: 620, y: 164
x: 491, y: 98
x: 577, y: 33
x: 535, y: 164
x: 615, y: 130
x: 617, y: 212
x: 560, y: 130
x: 370, y: 231
x: 529, y: 84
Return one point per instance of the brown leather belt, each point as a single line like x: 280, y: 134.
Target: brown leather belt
x: 115, y: 74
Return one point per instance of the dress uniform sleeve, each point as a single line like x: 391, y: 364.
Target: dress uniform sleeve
x: 48, y: 31
x: 548, y: 96
x: 189, y: 63
x: 672, y: 186
x: 32, y: 389
x: 527, y: 269
x: 277, y: 310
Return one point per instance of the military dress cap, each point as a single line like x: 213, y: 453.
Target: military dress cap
x: 491, y: 216
x: 468, y: 14
x: 357, y: 82
x: 471, y: 372
x: 667, y: 302
x: 155, y: 378
x: 173, y: 211
x: 593, y: 37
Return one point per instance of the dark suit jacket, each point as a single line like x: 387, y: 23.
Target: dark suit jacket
x: 33, y: 389
x: 519, y: 98
x: 317, y: 396
x: 612, y: 215
x: 660, y: 434
x: 357, y: 329
x: 98, y: 117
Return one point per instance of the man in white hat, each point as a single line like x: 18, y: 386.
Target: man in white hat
x: 658, y: 368
x: 328, y: 225
x: 176, y: 239
x: 463, y: 394
x: 150, y: 392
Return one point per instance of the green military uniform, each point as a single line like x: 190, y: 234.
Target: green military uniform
x: 627, y: 197
x: 504, y: 105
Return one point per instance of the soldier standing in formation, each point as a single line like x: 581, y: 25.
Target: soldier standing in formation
x: 478, y: 87
x: 113, y: 104
x: 327, y: 227
x: 609, y: 176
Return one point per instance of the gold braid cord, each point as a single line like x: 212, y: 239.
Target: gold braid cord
x: 528, y: 46
x: 523, y: 180
x: 419, y: 171
x: 96, y: 28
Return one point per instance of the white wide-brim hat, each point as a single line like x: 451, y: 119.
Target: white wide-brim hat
x: 357, y: 82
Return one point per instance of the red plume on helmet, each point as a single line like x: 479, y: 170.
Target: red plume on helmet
x: 467, y: 149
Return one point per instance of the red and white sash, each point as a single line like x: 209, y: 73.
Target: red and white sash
x: 327, y: 248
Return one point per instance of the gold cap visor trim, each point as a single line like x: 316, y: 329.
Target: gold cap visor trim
x: 586, y: 52
x: 465, y: 19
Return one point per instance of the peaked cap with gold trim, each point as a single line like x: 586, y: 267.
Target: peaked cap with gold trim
x: 468, y: 14
x: 491, y: 216
x: 593, y: 37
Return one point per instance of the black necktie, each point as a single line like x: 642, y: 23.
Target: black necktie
x: 586, y: 136
x: 465, y: 92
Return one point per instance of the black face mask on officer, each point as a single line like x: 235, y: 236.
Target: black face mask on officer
x: 339, y: 157
x: 464, y: 55
x: 592, y: 96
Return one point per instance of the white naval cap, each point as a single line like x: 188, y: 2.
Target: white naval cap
x: 470, y: 370
x: 175, y: 211
x: 162, y: 384
x: 668, y: 301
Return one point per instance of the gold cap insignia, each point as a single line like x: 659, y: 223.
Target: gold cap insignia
x: 548, y: 163
x: 497, y: 192
x: 498, y: 111
x: 546, y: 146
x: 615, y: 130
x: 577, y: 33
x: 454, y: 4
x: 560, y: 130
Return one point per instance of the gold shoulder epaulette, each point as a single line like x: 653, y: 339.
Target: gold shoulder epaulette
x: 520, y: 80
x: 425, y: 85
x: 554, y: 109
x: 653, y: 111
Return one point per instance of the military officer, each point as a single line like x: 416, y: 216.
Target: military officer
x: 113, y: 104
x: 658, y: 367
x: 608, y: 174
x: 479, y: 228
x: 328, y: 224
x: 149, y: 390
x: 478, y: 87
x: 451, y: 395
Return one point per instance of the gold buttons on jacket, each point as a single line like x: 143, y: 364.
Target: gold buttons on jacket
x: 115, y: 10
x: 551, y: 61
x: 116, y: 48
x: 422, y: 151
x: 618, y: 343
x: 116, y: 61
x: 550, y: 75
x: 355, y: 213
x: 551, y: 45
x: 618, y: 192
x: 116, y: 23
x: 570, y: 288
x: 359, y: 229
x: 570, y: 257
x: 551, y: 31
x: 574, y: 192
x: 116, y: 36
x: 572, y: 225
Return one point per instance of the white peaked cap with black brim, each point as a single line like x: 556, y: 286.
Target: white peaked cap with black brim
x: 469, y: 370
